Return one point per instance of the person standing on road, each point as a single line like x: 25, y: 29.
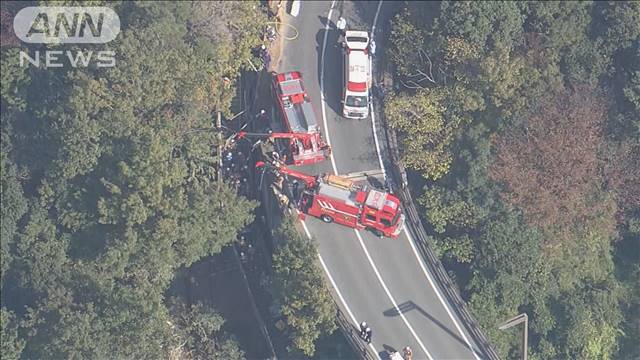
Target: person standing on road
x: 363, y: 327
x: 341, y: 24
x: 367, y: 335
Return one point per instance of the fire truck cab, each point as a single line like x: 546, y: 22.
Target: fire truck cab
x: 356, y: 75
x: 358, y: 206
x: 334, y: 198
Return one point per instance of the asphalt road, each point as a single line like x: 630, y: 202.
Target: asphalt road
x: 381, y: 281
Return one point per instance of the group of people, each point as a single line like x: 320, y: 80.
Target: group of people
x: 365, y: 332
x: 236, y: 170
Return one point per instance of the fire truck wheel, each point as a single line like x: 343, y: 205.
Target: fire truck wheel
x: 326, y: 218
x: 376, y: 232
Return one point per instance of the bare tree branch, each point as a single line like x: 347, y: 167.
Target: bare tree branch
x: 413, y: 85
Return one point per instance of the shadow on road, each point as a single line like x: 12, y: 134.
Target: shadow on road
x: 332, y: 64
x: 407, y: 306
x: 384, y: 354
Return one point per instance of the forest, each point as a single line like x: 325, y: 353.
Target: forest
x: 109, y: 185
x: 520, y: 123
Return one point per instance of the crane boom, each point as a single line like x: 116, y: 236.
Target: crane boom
x: 304, y: 148
x: 309, y: 180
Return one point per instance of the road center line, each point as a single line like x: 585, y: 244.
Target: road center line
x: 322, y: 101
x: 433, y: 285
x: 335, y: 171
x: 386, y: 290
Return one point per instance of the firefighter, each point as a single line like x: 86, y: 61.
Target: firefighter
x: 263, y: 115
x: 367, y: 335
x: 363, y: 327
x: 341, y: 24
x: 372, y: 47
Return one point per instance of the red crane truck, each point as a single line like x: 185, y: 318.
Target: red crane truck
x: 303, y: 149
x: 334, y: 198
x: 305, y: 140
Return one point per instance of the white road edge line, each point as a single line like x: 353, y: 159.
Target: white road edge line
x: 322, y: 101
x: 433, y: 285
x: 335, y: 287
x: 371, y: 107
x: 375, y: 18
x: 410, y: 239
x: 393, y: 301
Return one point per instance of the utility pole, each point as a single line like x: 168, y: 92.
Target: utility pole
x: 522, y: 318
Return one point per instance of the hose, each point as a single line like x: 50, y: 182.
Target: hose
x: 290, y: 38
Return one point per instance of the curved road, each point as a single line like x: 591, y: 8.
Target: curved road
x: 382, y: 281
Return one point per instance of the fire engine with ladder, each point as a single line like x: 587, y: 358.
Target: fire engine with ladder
x: 338, y: 199
x: 301, y: 132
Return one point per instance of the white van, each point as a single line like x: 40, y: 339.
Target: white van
x: 357, y: 75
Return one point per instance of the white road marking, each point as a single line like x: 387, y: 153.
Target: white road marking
x: 333, y: 283
x: 433, y: 285
x: 335, y: 287
x: 409, y: 238
x: 322, y: 101
x: 335, y: 170
x: 371, y: 110
x: 393, y: 301
x: 375, y: 18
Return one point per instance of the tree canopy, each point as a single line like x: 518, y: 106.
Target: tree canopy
x: 109, y: 184
x: 305, y: 301
x: 535, y: 199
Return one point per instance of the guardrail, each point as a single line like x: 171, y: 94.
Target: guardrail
x: 414, y: 224
x: 351, y: 334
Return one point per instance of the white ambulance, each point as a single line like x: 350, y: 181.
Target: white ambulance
x: 357, y: 75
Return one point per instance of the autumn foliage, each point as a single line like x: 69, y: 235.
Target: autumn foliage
x: 549, y: 166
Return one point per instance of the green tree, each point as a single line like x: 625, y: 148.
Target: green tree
x: 14, y: 204
x: 304, y: 299
x: 108, y: 183
x: 426, y: 129
x: 444, y: 208
x: 11, y: 345
x: 406, y: 41
x: 509, y: 272
x: 504, y: 69
x: 198, y: 333
x: 485, y: 24
x: 15, y: 80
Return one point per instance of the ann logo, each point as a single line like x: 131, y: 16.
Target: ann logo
x: 74, y: 27
x: 66, y: 24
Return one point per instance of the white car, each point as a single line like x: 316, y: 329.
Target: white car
x: 357, y: 75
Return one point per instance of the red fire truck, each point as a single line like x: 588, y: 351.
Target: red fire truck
x: 307, y: 145
x: 334, y: 198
